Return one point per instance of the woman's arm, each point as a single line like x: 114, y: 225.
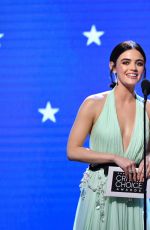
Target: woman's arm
x: 140, y: 175
x: 81, y: 129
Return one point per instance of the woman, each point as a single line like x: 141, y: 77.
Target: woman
x: 113, y: 119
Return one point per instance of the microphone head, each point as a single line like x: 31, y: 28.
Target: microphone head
x: 145, y: 85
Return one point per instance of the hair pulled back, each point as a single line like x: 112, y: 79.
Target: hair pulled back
x: 118, y: 50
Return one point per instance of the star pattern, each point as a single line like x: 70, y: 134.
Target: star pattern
x: 93, y: 36
x: 53, y: 55
x: 48, y: 112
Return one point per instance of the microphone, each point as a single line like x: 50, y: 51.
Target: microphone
x: 145, y: 85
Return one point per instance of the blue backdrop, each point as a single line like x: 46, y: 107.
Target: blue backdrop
x: 53, y: 54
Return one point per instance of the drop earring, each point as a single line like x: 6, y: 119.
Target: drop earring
x: 115, y: 78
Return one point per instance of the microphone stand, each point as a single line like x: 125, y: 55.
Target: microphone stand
x: 146, y: 91
x: 145, y: 179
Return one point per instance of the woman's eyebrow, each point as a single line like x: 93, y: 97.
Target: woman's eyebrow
x: 128, y: 59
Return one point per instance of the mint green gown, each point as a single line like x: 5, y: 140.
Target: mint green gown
x: 96, y: 211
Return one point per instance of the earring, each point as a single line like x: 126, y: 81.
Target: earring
x: 115, y: 78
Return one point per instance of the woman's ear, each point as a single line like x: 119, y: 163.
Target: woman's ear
x: 112, y: 66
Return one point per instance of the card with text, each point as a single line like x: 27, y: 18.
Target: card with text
x: 118, y: 185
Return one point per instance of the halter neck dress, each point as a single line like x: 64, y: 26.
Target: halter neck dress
x: 96, y: 211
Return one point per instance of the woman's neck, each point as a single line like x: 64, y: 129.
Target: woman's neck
x: 124, y: 94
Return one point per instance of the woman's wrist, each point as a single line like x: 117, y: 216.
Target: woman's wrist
x: 113, y: 158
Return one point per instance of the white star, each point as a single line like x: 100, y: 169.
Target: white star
x: 93, y: 36
x: 1, y: 35
x: 48, y: 112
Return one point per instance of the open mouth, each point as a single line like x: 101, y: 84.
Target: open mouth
x: 132, y: 75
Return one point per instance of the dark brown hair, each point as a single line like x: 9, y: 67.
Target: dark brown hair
x: 118, y: 50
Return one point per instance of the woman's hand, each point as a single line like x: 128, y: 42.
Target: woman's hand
x: 140, y: 174
x: 128, y: 166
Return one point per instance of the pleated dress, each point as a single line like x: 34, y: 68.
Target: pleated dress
x: 95, y: 211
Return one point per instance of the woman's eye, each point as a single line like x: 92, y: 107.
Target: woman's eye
x: 125, y: 62
x: 140, y: 63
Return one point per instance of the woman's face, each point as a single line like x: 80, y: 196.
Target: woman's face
x: 129, y: 67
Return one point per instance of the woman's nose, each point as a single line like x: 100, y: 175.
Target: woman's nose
x: 133, y: 66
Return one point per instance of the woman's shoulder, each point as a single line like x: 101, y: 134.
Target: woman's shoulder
x: 94, y: 103
x: 96, y: 98
x: 148, y: 108
x: 141, y: 100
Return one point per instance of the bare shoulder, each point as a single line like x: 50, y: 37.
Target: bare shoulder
x: 148, y: 108
x: 88, y: 113
x: 95, y: 99
x: 94, y: 103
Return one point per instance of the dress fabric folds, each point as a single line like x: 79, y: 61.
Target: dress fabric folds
x: 95, y: 211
